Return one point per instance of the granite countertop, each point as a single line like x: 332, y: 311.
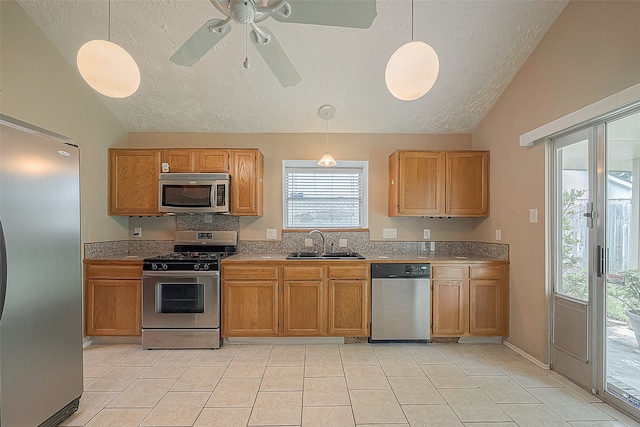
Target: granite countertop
x: 120, y: 257
x: 245, y: 257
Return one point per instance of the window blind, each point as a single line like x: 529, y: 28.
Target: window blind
x: 323, y: 198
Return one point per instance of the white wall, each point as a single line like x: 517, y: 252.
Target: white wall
x: 589, y: 53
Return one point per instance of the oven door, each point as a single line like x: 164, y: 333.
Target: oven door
x: 180, y: 299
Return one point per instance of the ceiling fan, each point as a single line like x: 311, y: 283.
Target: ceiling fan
x: 339, y: 13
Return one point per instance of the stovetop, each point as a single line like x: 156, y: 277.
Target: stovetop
x: 195, y: 250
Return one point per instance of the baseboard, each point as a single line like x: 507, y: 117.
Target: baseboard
x: 284, y: 340
x: 526, y: 355
x: 114, y: 340
x: 480, y: 340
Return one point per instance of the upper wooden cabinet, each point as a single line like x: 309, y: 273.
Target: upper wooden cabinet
x: 246, y: 182
x: 133, y: 181
x: 439, y: 183
x: 134, y: 175
x: 194, y: 160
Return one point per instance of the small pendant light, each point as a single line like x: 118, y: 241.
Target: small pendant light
x: 326, y: 112
x: 108, y: 68
x: 412, y: 70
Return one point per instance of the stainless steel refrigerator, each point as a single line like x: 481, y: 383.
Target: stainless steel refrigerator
x: 40, y: 274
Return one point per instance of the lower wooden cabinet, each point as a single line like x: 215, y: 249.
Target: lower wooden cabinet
x: 250, y: 301
x: 113, y: 298
x: 295, y: 299
x: 470, y: 299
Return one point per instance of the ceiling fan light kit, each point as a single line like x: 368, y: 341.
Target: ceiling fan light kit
x: 327, y: 112
x: 412, y: 70
x: 345, y: 13
x: 108, y: 68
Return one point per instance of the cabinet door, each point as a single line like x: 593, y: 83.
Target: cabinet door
x: 180, y: 160
x: 348, y: 308
x: 467, y: 183
x: 450, y: 305
x: 113, y: 307
x: 421, y: 183
x: 303, y: 308
x: 212, y: 161
x: 133, y: 181
x: 246, y: 182
x: 250, y: 308
x: 488, y: 300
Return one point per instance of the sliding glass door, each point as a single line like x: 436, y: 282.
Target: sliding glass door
x: 596, y: 258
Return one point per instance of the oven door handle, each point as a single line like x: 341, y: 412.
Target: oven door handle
x: 184, y: 273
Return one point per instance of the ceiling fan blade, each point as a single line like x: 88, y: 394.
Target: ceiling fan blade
x: 276, y: 58
x: 200, y: 43
x: 337, y: 13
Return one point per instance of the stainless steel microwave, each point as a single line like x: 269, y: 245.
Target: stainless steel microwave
x: 194, y: 193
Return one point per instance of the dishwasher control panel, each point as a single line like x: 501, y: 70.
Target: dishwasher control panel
x: 383, y: 270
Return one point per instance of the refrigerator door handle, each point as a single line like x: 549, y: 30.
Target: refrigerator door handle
x: 3, y: 270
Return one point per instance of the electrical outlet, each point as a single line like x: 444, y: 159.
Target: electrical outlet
x: 308, y: 243
x: 342, y: 243
x: 272, y: 234
x: 432, y: 246
x: 207, y: 218
x: 533, y: 215
x: 498, y: 234
x: 427, y: 233
x: 389, y: 233
x: 137, y: 232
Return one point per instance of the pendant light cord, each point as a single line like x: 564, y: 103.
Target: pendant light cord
x: 327, y: 135
x: 411, y: 20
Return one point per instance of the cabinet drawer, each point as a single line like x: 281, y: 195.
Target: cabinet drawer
x: 230, y: 272
x: 348, y: 271
x: 448, y: 271
x: 105, y: 271
x: 303, y: 273
x: 486, y: 272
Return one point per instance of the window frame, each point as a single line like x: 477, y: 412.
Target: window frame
x: 313, y: 165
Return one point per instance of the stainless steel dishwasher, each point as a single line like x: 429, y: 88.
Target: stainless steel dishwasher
x: 400, y: 302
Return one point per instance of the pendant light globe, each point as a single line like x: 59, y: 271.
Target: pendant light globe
x: 108, y: 68
x: 412, y: 70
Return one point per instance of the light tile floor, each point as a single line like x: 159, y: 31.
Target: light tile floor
x: 330, y: 386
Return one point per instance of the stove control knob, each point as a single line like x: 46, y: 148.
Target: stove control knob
x: 165, y: 266
x: 206, y: 266
x: 154, y: 266
x: 196, y: 267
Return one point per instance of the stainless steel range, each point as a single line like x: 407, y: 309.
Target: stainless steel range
x: 181, y: 291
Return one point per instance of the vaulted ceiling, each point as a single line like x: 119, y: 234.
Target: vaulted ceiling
x: 480, y: 45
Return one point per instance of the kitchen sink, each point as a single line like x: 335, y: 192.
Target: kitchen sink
x: 315, y: 255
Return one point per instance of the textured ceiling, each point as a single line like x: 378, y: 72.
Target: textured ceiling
x: 480, y: 44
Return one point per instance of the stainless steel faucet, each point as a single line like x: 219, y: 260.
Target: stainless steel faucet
x: 324, y: 249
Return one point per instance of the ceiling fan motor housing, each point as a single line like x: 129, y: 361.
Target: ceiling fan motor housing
x: 242, y: 11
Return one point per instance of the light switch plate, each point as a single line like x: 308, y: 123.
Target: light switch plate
x: 137, y: 232
x: 427, y: 233
x: 498, y: 234
x: 389, y: 233
x: 533, y: 215
x: 342, y: 243
x: 272, y: 234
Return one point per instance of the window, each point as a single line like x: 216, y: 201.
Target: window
x: 318, y: 197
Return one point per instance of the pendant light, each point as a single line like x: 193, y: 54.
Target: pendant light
x: 412, y: 70
x: 326, y: 112
x: 108, y: 68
